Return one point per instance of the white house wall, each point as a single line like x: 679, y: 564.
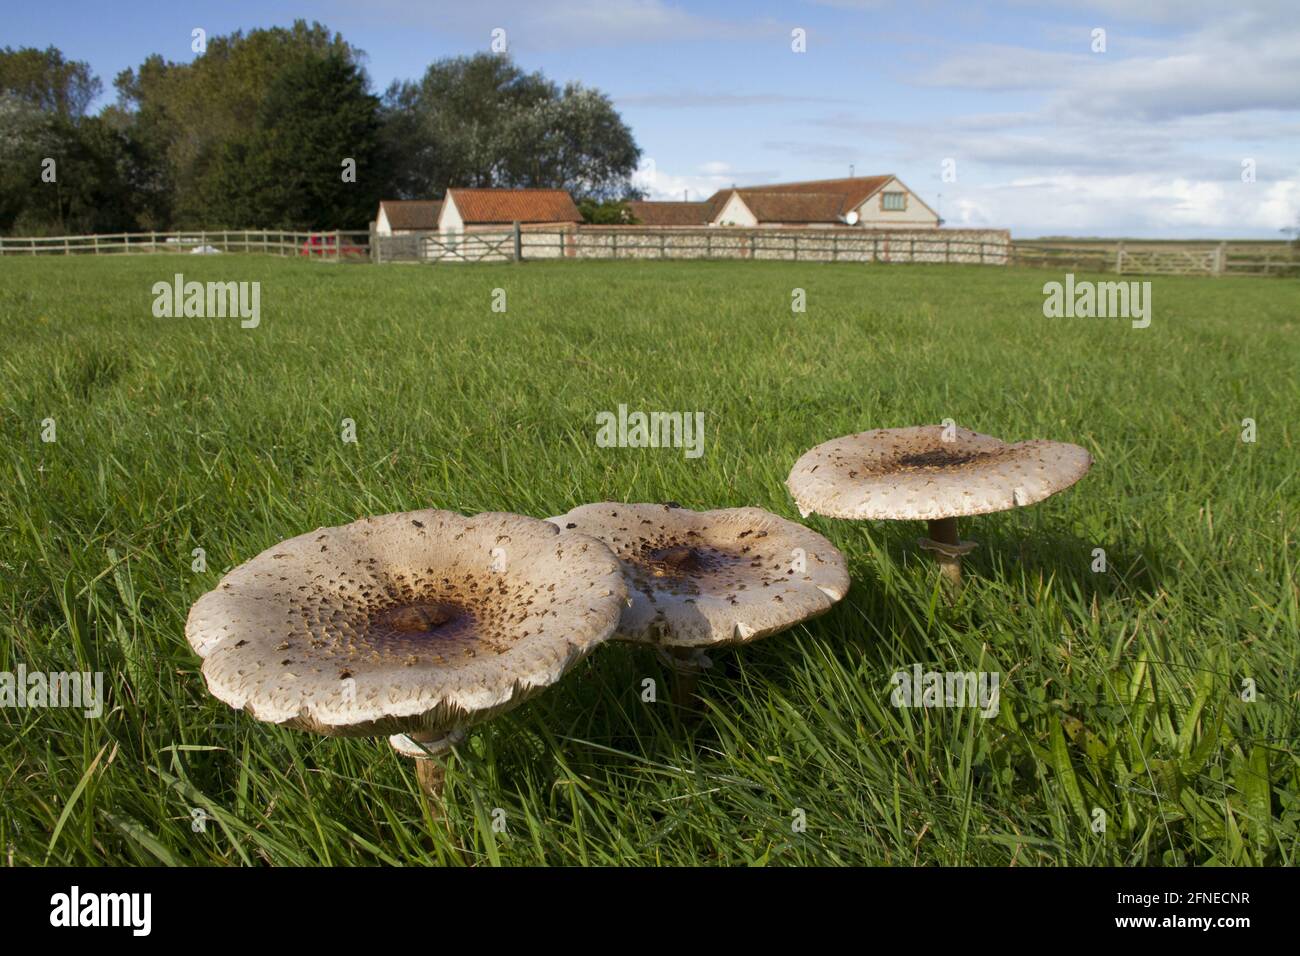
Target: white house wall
x: 915, y: 215
x: 735, y: 213
x: 449, y: 219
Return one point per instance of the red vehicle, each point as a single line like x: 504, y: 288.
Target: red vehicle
x: 328, y: 246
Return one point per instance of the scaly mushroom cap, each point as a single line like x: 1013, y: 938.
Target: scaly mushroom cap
x: 423, y: 621
x: 713, y: 577
x: 912, y: 473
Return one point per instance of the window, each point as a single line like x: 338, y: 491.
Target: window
x: 893, y: 202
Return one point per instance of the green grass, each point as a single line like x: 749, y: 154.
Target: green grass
x: 1120, y: 691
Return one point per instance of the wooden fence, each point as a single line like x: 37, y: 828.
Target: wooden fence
x: 336, y: 245
x: 1161, y: 257
x: 988, y: 247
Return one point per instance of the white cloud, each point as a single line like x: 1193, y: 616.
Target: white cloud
x: 1138, y: 204
x: 1242, y: 61
x: 707, y: 179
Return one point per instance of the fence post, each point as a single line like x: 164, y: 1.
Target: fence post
x: 1221, y: 254
x: 66, y: 250
x: 614, y: 254
x: 1119, y: 258
x: 947, y: 251
x: 94, y: 241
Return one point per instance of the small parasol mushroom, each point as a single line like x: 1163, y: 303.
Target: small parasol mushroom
x: 699, y: 579
x: 932, y: 473
x: 417, y: 625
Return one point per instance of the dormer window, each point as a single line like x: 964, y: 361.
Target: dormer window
x: 893, y: 202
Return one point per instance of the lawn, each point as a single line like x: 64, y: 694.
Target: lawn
x: 1127, y: 732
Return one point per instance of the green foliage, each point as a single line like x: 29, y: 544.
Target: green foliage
x: 89, y: 191
x: 287, y: 171
x: 253, y: 134
x: 612, y: 212
x: 206, y: 128
x: 1121, y: 692
x: 48, y: 82
x: 482, y: 121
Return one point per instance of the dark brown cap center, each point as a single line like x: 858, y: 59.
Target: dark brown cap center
x: 938, y: 458
x: 417, y: 619
x: 676, y: 559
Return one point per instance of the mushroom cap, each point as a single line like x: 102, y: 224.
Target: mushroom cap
x: 697, y: 578
x: 912, y: 473
x: 424, y: 621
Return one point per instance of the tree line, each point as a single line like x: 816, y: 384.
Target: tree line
x: 279, y: 129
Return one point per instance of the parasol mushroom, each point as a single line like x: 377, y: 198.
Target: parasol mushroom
x: 416, y: 625
x: 699, y: 579
x: 931, y: 473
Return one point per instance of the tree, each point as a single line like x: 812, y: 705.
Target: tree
x: 60, y: 176
x: 482, y: 121
x: 288, y: 172
x: 578, y: 142
x: 45, y: 80
x: 194, y: 121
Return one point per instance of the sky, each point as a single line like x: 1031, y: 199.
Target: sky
x: 1137, y: 118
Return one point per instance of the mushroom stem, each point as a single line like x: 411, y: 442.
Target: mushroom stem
x: 427, y: 750
x: 943, y: 531
x: 686, y: 664
x: 431, y: 775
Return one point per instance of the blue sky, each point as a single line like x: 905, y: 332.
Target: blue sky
x: 1046, y: 136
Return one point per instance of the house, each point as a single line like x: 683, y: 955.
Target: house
x: 863, y: 202
x: 470, y: 210
x: 401, y: 217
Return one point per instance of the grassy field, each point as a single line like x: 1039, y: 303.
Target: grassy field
x: 1121, y: 692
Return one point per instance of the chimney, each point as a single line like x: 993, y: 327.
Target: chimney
x: 850, y: 170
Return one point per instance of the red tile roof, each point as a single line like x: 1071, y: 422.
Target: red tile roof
x: 411, y: 213
x: 797, y: 207
x: 650, y: 213
x: 855, y: 190
x: 508, y: 205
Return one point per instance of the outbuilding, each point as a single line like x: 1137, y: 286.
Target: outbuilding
x: 470, y: 210
x: 403, y: 217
